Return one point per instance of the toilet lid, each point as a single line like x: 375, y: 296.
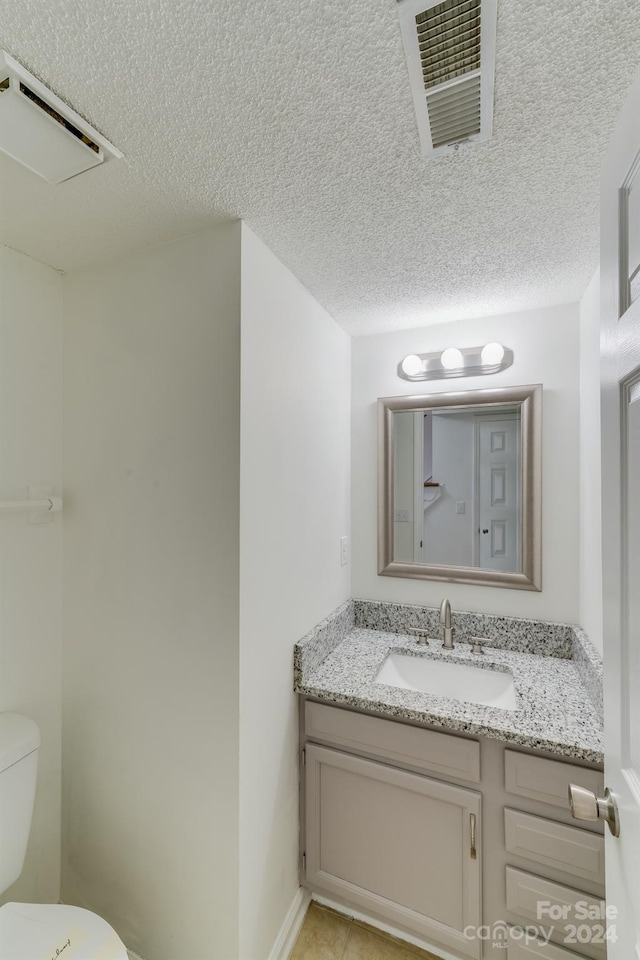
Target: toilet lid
x: 48, y: 931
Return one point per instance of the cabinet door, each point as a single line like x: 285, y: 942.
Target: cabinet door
x: 396, y: 843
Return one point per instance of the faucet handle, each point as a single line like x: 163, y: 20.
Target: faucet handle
x: 476, y: 644
x: 421, y: 633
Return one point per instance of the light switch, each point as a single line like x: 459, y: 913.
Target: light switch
x: 461, y: 506
x: 401, y: 516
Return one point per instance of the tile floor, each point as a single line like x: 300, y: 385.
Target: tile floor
x: 327, y: 935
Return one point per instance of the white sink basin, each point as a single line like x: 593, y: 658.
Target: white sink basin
x: 455, y: 680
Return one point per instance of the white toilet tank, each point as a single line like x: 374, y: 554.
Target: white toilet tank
x: 19, y: 743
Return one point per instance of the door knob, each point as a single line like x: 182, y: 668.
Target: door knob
x: 585, y: 805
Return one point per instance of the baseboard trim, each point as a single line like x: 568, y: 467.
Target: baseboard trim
x: 290, y: 928
x: 365, y: 917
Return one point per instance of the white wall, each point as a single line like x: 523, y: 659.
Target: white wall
x: 590, y: 469
x: 151, y: 406
x: 546, y: 347
x: 31, y: 554
x: 294, y: 509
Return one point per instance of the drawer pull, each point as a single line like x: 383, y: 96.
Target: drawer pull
x: 472, y: 823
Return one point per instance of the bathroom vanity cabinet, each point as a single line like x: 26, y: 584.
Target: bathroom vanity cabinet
x: 463, y: 842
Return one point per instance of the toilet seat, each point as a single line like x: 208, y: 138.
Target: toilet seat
x: 51, y: 931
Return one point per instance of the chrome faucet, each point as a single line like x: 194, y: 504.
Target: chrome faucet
x: 445, y: 620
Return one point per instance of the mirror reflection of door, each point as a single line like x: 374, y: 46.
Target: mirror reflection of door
x: 498, y: 494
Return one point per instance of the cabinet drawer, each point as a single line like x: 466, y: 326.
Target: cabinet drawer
x: 398, y: 843
x: 574, y: 851
x: 547, y: 780
x: 425, y: 749
x: 534, y: 949
x: 535, y: 899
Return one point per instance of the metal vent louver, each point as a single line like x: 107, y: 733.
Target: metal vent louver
x: 450, y: 50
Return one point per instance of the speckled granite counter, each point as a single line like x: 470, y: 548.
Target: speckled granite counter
x: 557, y: 692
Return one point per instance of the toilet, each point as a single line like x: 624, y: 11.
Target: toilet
x: 37, y: 931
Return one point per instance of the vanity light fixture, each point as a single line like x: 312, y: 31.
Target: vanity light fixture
x: 492, y: 354
x: 451, y: 358
x: 456, y: 362
x: 412, y: 365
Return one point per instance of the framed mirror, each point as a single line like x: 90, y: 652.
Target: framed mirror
x: 460, y: 487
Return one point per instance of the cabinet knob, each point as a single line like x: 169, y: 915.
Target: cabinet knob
x: 584, y: 805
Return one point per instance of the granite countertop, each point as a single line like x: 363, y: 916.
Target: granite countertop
x: 555, y: 710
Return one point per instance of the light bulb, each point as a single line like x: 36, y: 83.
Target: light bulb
x: 492, y: 354
x: 412, y: 365
x: 451, y: 358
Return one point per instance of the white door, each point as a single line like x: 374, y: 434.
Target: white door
x: 620, y: 375
x: 498, y: 495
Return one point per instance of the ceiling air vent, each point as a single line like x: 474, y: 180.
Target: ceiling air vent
x: 450, y: 50
x: 40, y: 131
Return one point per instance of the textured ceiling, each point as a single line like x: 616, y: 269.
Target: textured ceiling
x: 298, y: 118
